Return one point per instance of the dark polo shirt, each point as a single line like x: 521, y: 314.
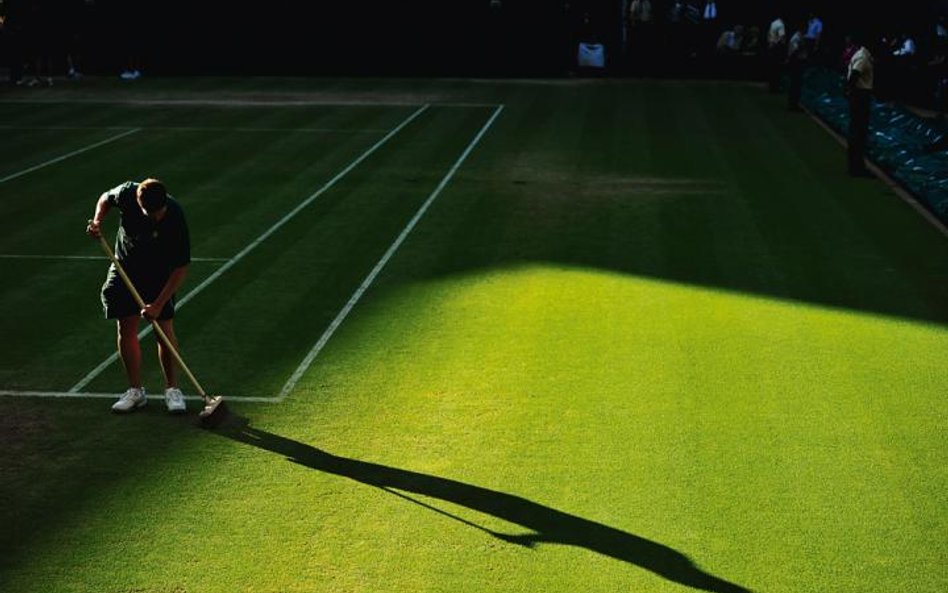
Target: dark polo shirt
x: 148, y: 251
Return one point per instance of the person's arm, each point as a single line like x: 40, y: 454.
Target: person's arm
x: 175, y: 280
x: 102, y: 207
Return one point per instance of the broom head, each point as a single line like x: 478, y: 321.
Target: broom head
x: 214, y: 412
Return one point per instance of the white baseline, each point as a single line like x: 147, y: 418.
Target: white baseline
x: 91, y: 395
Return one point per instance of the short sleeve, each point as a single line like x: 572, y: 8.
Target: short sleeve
x: 122, y: 196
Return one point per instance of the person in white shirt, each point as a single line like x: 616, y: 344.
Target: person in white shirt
x: 859, y: 84
x: 777, y: 34
x: 776, y: 50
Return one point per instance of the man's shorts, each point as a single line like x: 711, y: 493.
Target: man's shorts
x: 118, y: 302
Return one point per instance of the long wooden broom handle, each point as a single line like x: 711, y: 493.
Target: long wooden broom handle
x: 154, y: 323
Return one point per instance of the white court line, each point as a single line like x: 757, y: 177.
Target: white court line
x: 314, y: 352
x: 233, y: 261
x: 204, y: 129
x: 258, y: 102
x: 91, y: 257
x: 90, y: 395
x: 68, y: 155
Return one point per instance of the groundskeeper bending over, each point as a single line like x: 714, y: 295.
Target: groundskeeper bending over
x: 154, y: 248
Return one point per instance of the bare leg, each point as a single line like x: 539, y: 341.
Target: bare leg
x: 164, y: 354
x: 130, y: 350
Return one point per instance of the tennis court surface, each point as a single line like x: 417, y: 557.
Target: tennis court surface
x: 524, y: 335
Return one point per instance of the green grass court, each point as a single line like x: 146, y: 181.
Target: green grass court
x: 559, y: 336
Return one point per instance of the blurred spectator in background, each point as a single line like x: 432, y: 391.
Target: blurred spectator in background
x: 904, y: 46
x: 730, y: 40
x: 797, y: 56
x: 776, y: 51
x: 676, y: 12
x: 710, y: 12
x: 692, y: 12
x: 859, y: 85
x: 691, y: 40
x: 14, y: 37
x: 75, y: 28
x: 640, y: 26
x: 849, y: 48
x: 709, y: 25
x: 591, y: 53
x: 39, y: 41
x: 898, y: 69
x: 673, y: 44
x: 750, y: 43
x: 814, y: 34
x: 640, y: 13
x: 131, y: 24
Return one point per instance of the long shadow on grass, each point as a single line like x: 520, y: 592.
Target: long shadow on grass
x: 548, y: 525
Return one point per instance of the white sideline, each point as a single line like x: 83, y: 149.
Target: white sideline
x: 207, y: 129
x: 89, y: 257
x: 341, y: 316
x: 232, y: 261
x: 71, y: 154
x: 91, y: 395
x: 247, y: 102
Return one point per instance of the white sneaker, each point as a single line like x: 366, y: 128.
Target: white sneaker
x: 174, y: 399
x: 131, y: 399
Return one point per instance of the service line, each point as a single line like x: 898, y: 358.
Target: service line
x: 70, y: 154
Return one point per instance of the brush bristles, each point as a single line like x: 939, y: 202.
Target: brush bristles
x: 214, y: 412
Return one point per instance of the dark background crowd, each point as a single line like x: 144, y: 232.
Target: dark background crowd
x: 45, y: 40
